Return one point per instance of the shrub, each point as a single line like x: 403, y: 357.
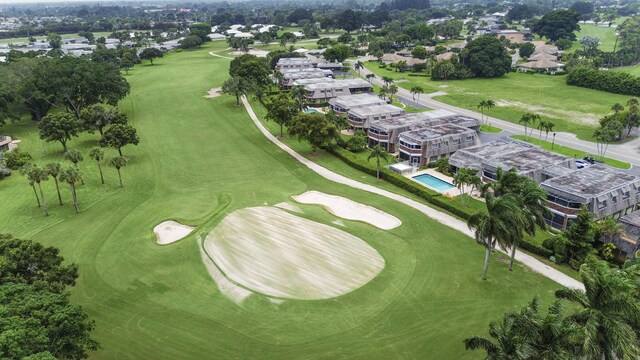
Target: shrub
x: 610, y: 81
x: 16, y: 159
x: 536, y: 249
x: 564, y: 44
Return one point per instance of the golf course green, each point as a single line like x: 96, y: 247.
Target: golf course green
x: 200, y: 159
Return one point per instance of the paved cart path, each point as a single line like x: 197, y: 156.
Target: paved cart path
x: 437, y: 215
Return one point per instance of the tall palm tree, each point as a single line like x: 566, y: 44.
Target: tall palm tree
x: 500, y: 224
x: 416, y: 90
x: 54, y: 170
x: 118, y: 163
x: 387, y: 80
x: 75, y: 157
x: 38, y: 175
x: 548, y: 126
x: 24, y: 170
x: 507, y: 343
x: 97, y: 154
x: 382, y: 93
x: 393, y: 90
x: 528, y: 120
x: 608, y: 228
x: 378, y: 152
x: 532, y: 199
x: 606, y: 310
x: 71, y: 176
x: 359, y: 65
x: 297, y: 94
x: 482, y: 105
x: 370, y: 76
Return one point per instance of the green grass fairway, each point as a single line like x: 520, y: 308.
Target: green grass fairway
x: 607, y: 36
x: 572, y: 109
x: 201, y: 159
x: 490, y: 129
x: 633, y: 70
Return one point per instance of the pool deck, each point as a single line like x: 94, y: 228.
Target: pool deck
x: 451, y: 192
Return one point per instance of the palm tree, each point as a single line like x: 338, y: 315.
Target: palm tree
x: 489, y: 105
x: 297, y: 94
x: 383, y: 92
x: 500, y: 224
x: 387, y: 80
x: 393, y: 89
x: 482, y: 105
x: 607, y: 229
x: 528, y: 120
x: 416, y: 90
x: 617, y: 107
x: 54, y: 170
x: 37, y: 175
x: 547, y: 127
x: 97, y: 154
x: 507, y: 343
x: 24, y: 170
x: 71, y: 176
x: 75, y: 157
x: 119, y: 162
x: 359, y: 65
x: 532, y: 200
x: 607, y: 307
x: 370, y: 76
x: 378, y: 152
x: 283, y: 42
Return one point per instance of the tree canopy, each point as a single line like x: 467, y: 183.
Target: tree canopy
x: 487, y: 57
x: 558, y: 24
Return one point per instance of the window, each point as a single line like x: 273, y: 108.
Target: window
x: 446, y: 143
x: 456, y: 141
x: 470, y: 137
x: 602, y: 205
x: 625, y: 195
x: 436, y: 146
x: 614, y: 199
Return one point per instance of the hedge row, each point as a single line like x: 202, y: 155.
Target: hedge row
x: 427, y: 194
x: 610, y: 81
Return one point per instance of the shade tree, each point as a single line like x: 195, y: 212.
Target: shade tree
x: 313, y: 128
x: 60, y: 127
x: 98, y: 116
x: 119, y: 136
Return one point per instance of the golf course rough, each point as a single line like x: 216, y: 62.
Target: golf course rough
x: 272, y: 252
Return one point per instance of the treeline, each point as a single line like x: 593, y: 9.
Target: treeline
x: 38, y: 321
x: 610, y: 81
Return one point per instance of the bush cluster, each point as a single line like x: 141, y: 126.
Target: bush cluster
x: 610, y: 81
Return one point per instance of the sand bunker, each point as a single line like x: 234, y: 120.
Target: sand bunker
x: 273, y: 252
x: 215, y: 92
x: 171, y: 231
x: 288, y: 206
x: 350, y: 210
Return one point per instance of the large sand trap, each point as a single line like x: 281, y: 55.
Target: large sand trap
x: 171, y: 231
x: 273, y: 252
x: 350, y: 210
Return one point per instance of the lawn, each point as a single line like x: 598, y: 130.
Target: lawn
x: 200, y: 159
x: 572, y: 109
x: 489, y: 129
x: 570, y: 152
x: 633, y: 70
x: 607, y: 36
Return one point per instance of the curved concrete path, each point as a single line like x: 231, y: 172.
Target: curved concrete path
x: 439, y: 216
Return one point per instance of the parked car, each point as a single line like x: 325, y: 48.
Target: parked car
x: 581, y: 164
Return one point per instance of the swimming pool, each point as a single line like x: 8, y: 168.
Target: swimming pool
x: 433, y: 182
x: 311, y: 111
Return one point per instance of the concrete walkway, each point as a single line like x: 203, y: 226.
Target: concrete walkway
x: 628, y: 151
x: 439, y: 216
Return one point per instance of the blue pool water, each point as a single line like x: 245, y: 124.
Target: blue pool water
x: 433, y: 182
x: 311, y: 111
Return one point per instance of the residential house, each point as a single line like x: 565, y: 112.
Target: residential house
x: 318, y: 90
x: 289, y: 76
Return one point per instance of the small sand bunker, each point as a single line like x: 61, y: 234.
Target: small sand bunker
x: 171, y: 231
x: 350, y: 210
x: 275, y: 253
x: 215, y: 92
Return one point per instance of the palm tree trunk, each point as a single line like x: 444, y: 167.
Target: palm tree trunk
x: 100, y: 169
x: 120, y: 177
x: 58, y: 190
x: 487, y: 253
x: 75, y: 197
x: 81, y: 179
x: 36, y: 194
x: 513, y: 255
x: 378, y: 170
x: 281, y: 131
x: 120, y: 151
x: 44, y: 202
